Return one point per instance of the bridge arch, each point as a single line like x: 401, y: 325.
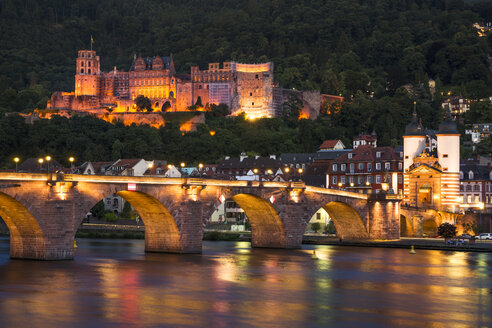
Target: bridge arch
x: 347, y: 221
x: 162, y: 233
x: 27, y: 239
x: 406, y: 227
x: 267, y: 228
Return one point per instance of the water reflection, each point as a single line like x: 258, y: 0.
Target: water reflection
x: 230, y: 284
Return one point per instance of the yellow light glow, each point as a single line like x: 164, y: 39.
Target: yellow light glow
x: 169, y: 166
x: 300, y: 170
x: 40, y: 161
x: 286, y: 170
x: 182, y: 164
x: 16, y: 159
x: 71, y: 159
x: 269, y: 171
x: 200, y: 166
x: 339, y: 184
x: 212, y: 133
x: 48, y: 158
x: 255, y: 171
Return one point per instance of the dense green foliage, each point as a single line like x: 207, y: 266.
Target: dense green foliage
x: 339, y: 47
x: 365, y: 50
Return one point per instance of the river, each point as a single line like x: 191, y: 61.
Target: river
x: 115, y: 283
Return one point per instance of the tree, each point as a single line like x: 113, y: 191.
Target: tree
x: 292, y: 108
x: 316, y: 226
x: 143, y: 104
x: 446, y: 230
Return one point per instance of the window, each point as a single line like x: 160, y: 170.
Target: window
x: 470, y: 175
x: 343, y: 167
x: 343, y: 179
x: 378, y: 166
x: 360, y: 180
x: 89, y: 71
x: 476, y: 199
x: 400, y: 166
x: 445, y: 155
x: 318, y: 216
x: 82, y: 71
x: 406, y: 157
x: 476, y: 188
x: 468, y: 187
x: 352, y: 179
x: 252, y: 104
x: 400, y: 179
x: 378, y: 179
x: 334, y: 180
x: 334, y: 167
x: 350, y: 155
x: 257, y: 76
x: 369, y: 167
x: 378, y: 154
x: 387, y: 166
x: 250, y: 94
x: 360, y: 166
x: 369, y: 179
x: 352, y: 167
x: 89, y: 64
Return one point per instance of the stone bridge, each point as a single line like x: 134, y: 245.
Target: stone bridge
x: 44, y: 211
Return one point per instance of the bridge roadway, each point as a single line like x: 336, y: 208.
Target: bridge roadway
x: 43, y: 211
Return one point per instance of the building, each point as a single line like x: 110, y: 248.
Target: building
x: 479, y: 132
x: 367, y: 169
x: 250, y: 168
x: 457, y: 104
x: 431, y: 178
x: 248, y: 88
x: 366, y: 139
x: 476, y: 187
x: 332, y: 145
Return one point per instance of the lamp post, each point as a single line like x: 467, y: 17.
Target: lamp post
x: 200, y: 169
x: 255, y: 171
x: 71, y: 159
x: 16, y: 160
x: 40, y: 161
x: 48, y: 159
x: 300, y: 173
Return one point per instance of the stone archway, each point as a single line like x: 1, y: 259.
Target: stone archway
x: 348, y: 223
x: 429, y: 228
x: 27, y: 239
x: 161, y: 230
x: 267, y: 228
x: 424, y: 196
x: 406, y: 228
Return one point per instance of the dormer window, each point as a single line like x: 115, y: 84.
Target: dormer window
x: 470, y: 175
x: 350, y: 155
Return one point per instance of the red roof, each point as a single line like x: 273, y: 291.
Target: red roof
x: 328, y: 144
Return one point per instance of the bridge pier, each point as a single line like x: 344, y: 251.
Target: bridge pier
x: 383, y: 217
x: 187, y: 238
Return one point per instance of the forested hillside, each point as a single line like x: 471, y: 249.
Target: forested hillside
x: 365, y: 50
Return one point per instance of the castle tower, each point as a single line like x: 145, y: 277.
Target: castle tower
x: 87, y: 75
x: 448, y: 151
x: 413, y: 141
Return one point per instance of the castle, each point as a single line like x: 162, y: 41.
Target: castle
x: 248, y: 88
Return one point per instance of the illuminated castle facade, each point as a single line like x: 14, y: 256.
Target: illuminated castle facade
x: 432, y: 176
x: 245, y: 88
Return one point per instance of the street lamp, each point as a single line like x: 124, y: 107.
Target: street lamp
x: 182, y: 164
x: 300, y: 173
x: 16, y: 160
x: 200, y: 168
x: 40, y: 161
x: 286, y: 170
x: 255, y: 171
x: 48, y: 159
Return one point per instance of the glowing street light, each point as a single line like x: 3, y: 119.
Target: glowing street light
x: 16, y: 160
x: 200, y: 166
x: 48, y: 159
x: 286, y: 170
x: 182, y: 164
x: 40, y: 161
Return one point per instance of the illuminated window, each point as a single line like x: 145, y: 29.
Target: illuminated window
x: 360, y: 166
x: 343, y: 167
x: 387, y: 166
x: 378, y: 179
x: 334, y: 167
x: 334, y: 180
x: 378, y: 166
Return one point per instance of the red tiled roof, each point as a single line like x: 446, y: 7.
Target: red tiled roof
x: 328, y: 144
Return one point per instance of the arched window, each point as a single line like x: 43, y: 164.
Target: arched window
x: 171, y: 94
x: 462, y: 188
x: 470, y: 175
x: 476, y: 187
x: 82, y: 71
x: 468, y: 188
x: 89, y: 71
x: 89, y: 64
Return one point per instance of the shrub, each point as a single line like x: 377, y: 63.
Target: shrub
x: 316, y: 226
x: 110, y: 217
x: 446, y: 230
